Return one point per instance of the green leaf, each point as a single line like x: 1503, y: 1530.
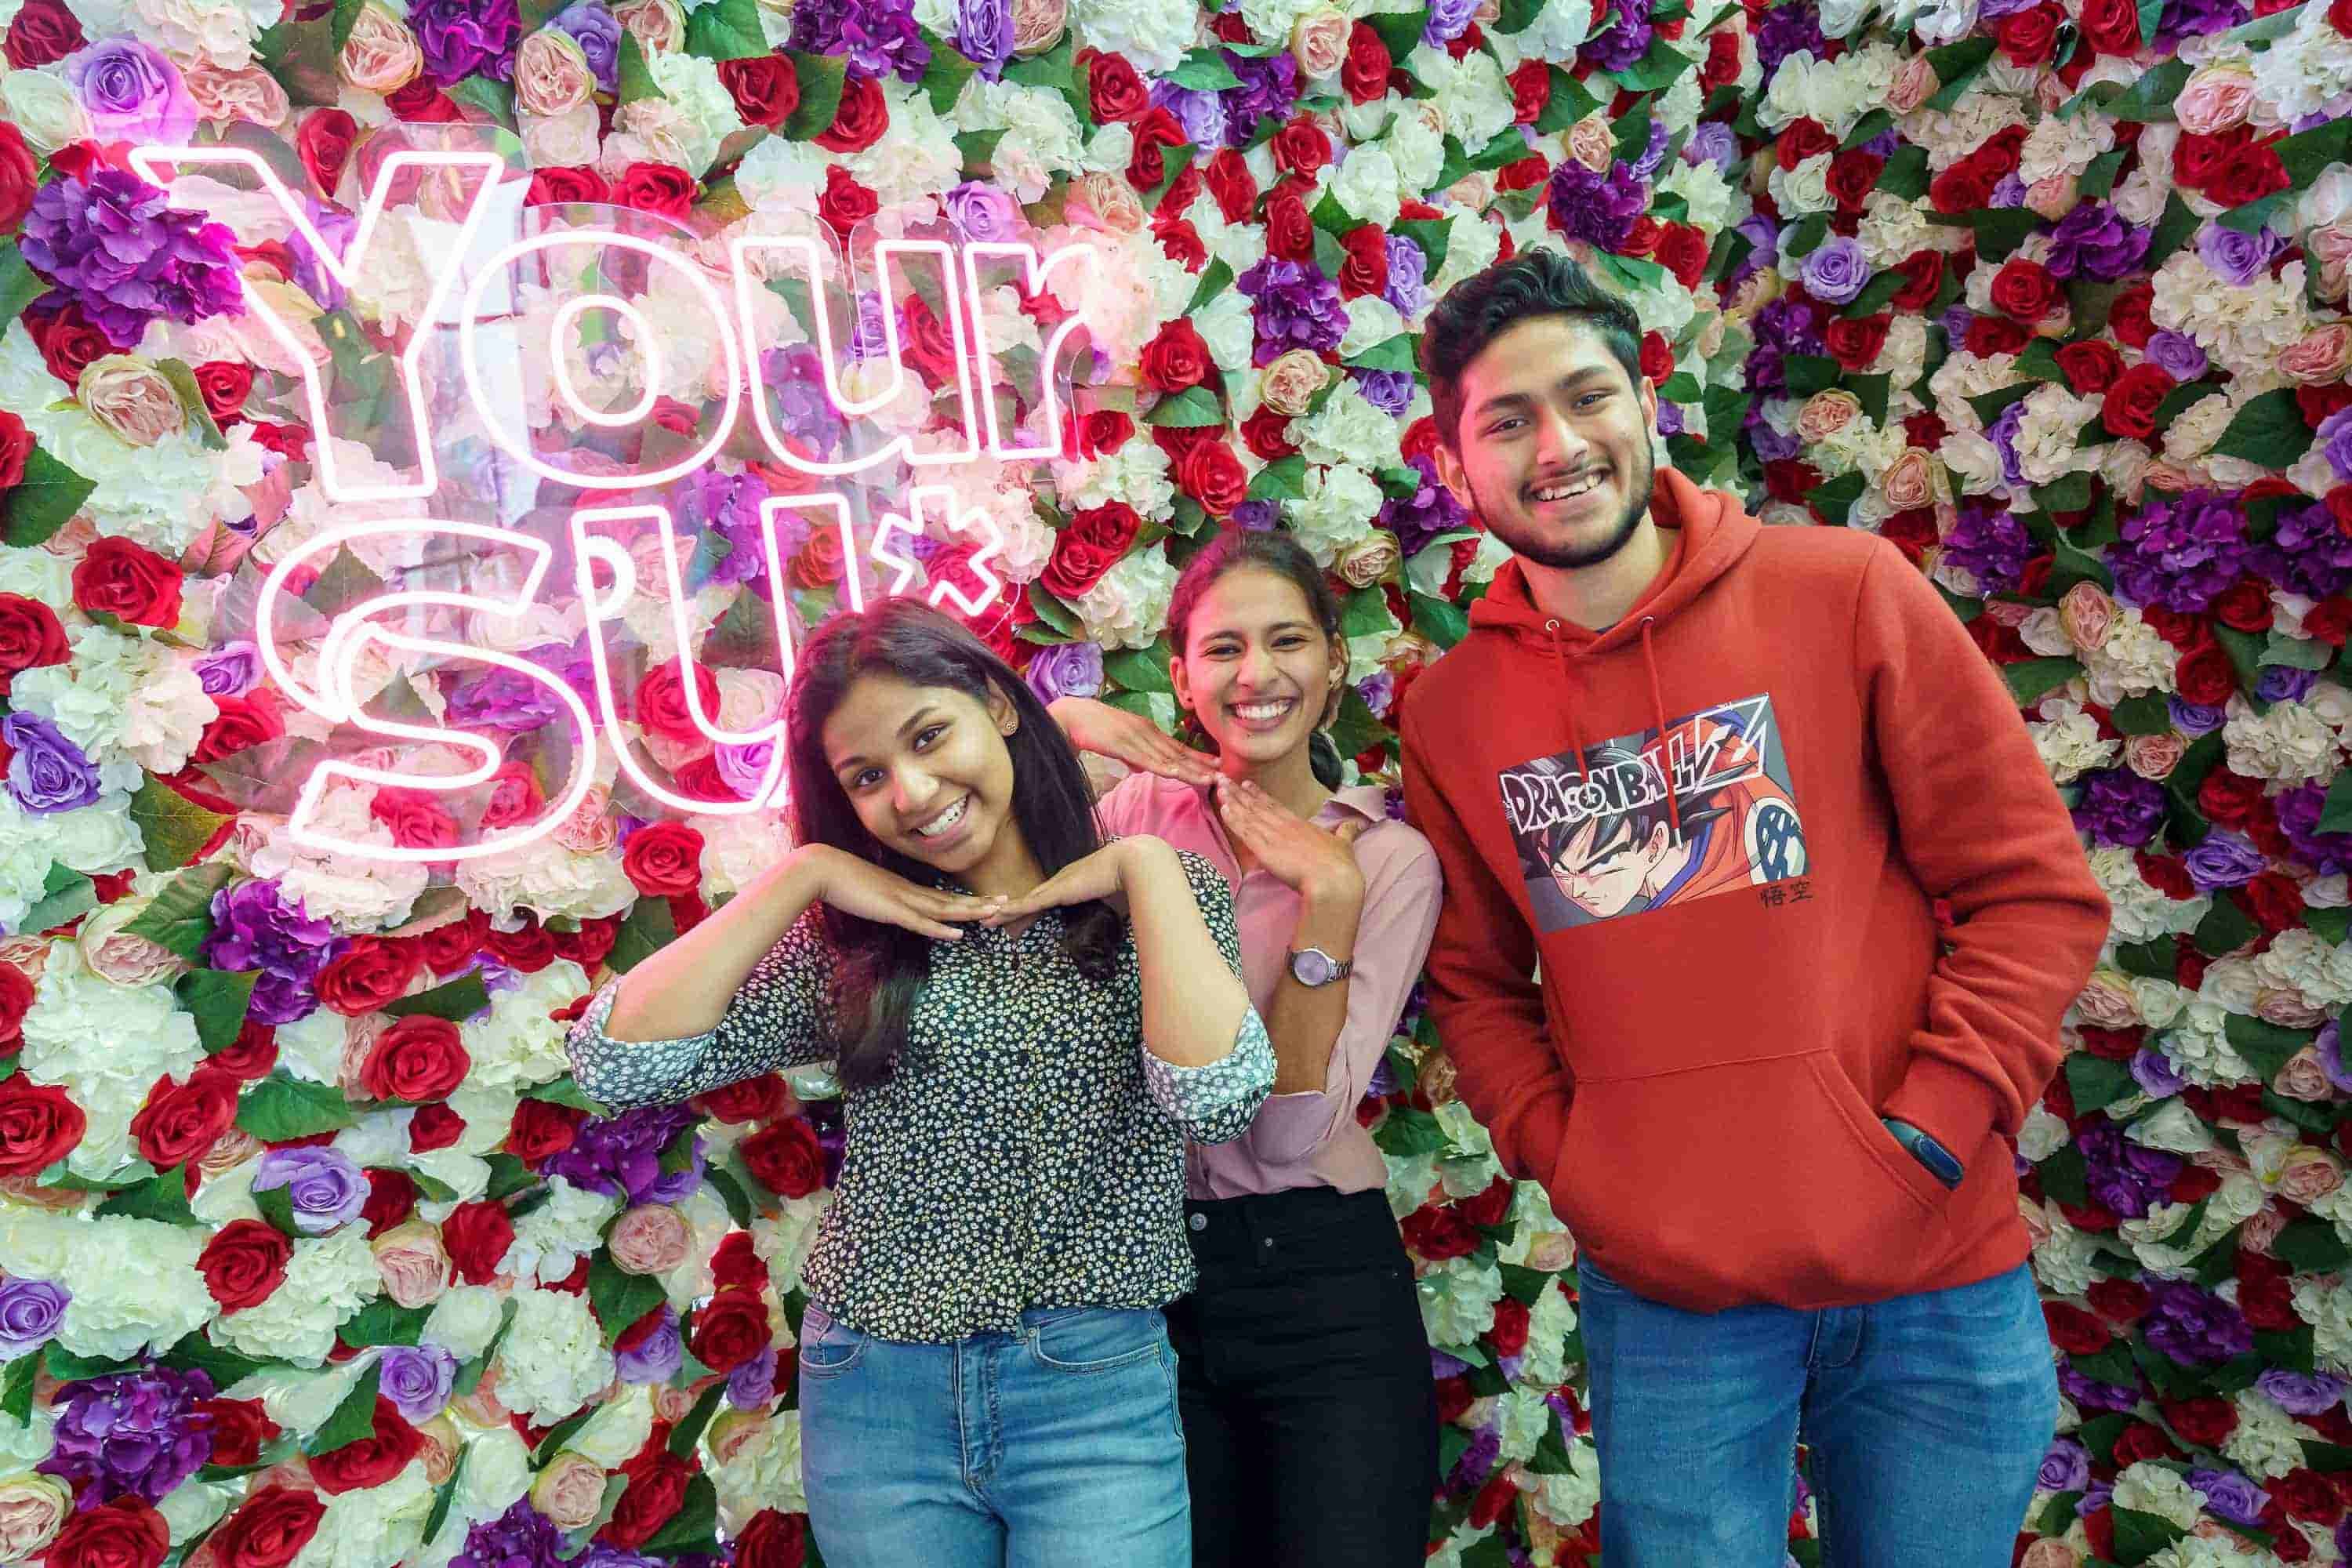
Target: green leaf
x: 689, y: 1431
x: 171, y: 827
x: 457, y: 1000
x: 1431, y: 235
x: 1519, y: 16
x: 2150, y: 98
x: 2176, y: 228
x: 1173, y: 164
x: 1394, y: 353
x: 162, y: 1197
x: 2034, y: 678
x: 1195, y: 407
x: 619, y: 1298
x: 648, y: 929
x: 2265, y: 1045
x: 637, y: 82
x: 19, y: 284
x: 731, y: 1194
x: 1906, y: 174
x: 2308, y: 153
x: 66, y: 895
x: 1404, y: 1132
x: 726, y: 30
x: 384, y: 1321
x: 561, y: 1434
x: 218, y: 999
x: 1204, y: 70
x: 1999, y: 230
x: 1441, y: 621
x: 17, y: 1387
x: 1141, y: 668
x: 1809, y: 373
x: 1568, y: 103
x: 1956, y: 65
x: 2096, y: 1082
x: 2336, y: 812
x: 491, y: 97
x: 821, y: 79
x: 692, y: 1526
x: 1834, y: 497
x: 45, y: 500
x: 447, y: 1494
x: 281, y: 1106
x: 1807, y: 236
x: 2311, y: 1246
x: 1052, y: 612
x: 1214, y: 278
x: 1989, y: 406
x: 564, y: 1091
x: 1873, y: 392
x: 1867, y: 129
x: 2225, y: 929
x: 1400, y: 30
x: 347, y: 13
x: 180, y: 918
x: 2268, y: 430
x: 191, y: 402
x: 68, y: 1367
x: 1285, y: 478
x: 353, y: 1419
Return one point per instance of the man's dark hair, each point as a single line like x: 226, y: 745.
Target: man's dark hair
x: 1529, y: 286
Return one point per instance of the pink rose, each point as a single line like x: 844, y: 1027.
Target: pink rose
x: 131, y: 398
x: 552, y: 74
x: 2309, y: 1173
x: 590, y: 829
x: 1369, y: 560
x: 1915, y: 83
x: 732, y: 1429
x: 251, y: 94
x: 2287, y: 1009
x: 1825, y: 414
x: 2216, y: 96
x: 124, y: 959
x: 230, y: 1150
x: 569, y: 1491
x: 1319, y: 41
x: 2037, y: 1224
x: 2052, y: 199
x: 2049, y: 1553
x: 651, y: 1238
x: 1105, y: 202
x: 1909, y: 481
x: 33, y: 1508
x: 2154, y: 756
x: 2107, y: 1003
x: 1592, y: 143
x: 1291, y: 382
x: 413, y: 1262
x: 2260, y: 1228
x: 673, y: 1404
x: 482, y: 1407
x: 2319, y: 357
x: 658, y: 25
x: 381, y: 54
x: 2088, y: 616
x: 2301, y: 1076
x: 1438, y: 1078
x: 442, y: 1442
x: 1039, y: 24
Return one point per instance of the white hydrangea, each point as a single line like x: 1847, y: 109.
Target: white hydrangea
x: 618, y: 1428
x: 1137, y: 474
x: 1367, y: 184
x: 2148, y: 1487
x: 2243, y: 326
x: 553, y: 882
x: 2291, y: 743
x: 328, y: 1278
x: 1042, y: 138
x: 2201, y: 1051
x: 1521, y: 1418
x: 778, y: 176
x: 1457, y: 1300
x: 2304, y: 73
x: 1336, y: 511
x: 2132, y: 661
x: 1472, y: 244
x: 917, y: 159
x: 554, y: 1360
x: 1348, y: 429
x: 2268, y: 1443
x: 2056, y: 146
x: 205, y: 32
x: 1470, y: 93
x: 1153, y: 34
x: 552, y: 1239
x: 2063, y: 1262
x: 692, y: 86
x: 1227, y: 326
x: 516, y: 1045
x: 105, y: 1045
x: 1129, y: 604
x: 783, y: 1241
x: 134, y: 1287
x: 352, y: 892
x: 465, y: 1320
x: 371, y: 1527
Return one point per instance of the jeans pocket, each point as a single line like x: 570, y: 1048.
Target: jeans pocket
x: 828, y: 1347
x: 1098, y: 1340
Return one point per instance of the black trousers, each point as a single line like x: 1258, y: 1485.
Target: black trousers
x: 1303, y: 1378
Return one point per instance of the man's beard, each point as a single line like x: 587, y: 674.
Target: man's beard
x: 1568, y: 557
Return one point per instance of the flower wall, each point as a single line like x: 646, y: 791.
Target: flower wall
x: 310, y: 1252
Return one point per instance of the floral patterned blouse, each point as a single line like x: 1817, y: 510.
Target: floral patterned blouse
x: 1028, y: 1150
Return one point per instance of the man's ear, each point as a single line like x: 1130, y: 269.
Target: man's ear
x: 1454, y: 476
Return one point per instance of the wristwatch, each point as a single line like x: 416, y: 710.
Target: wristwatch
x: 1313, y: 966
x: 1938, y: 1160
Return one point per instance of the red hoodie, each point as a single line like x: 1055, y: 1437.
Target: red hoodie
x: 1716, y: 831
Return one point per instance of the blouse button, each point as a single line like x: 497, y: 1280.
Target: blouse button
x: 1199, y: 1222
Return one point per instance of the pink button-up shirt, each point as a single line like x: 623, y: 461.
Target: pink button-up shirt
x: 1308, y: 1138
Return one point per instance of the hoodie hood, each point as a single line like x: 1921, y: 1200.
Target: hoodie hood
x: 1714, y: 533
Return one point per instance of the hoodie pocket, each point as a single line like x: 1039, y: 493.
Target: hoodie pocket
x: 1765, y: 1180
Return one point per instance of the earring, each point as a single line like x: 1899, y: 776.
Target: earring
x: 1011, y: 729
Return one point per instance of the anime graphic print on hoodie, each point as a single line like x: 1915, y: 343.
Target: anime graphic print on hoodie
x: 1640, y: 821
x: 1689, y: 954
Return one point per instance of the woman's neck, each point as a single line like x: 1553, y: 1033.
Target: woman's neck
x: 1008, y: 867
x: 1289, y: 779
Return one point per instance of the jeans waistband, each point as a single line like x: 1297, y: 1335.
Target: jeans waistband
x: 1316, y: 1226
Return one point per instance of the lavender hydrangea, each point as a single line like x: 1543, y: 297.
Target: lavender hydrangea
x: 2194, y: 1326
x: 2333, y: 438
x: 621, y: 1156
x: 2195, y: 19
x: 1620, y: 45
x: 467, y: 38
x: 119, y: 249
x: 880, y: 39
x: 1268, y: 89
x: 2119, y: 807
x: 794, y: 380
x: 1787, y: 30
x: 597, y: 31
x: 1600, y: 209
x: 254, y: 927
x: 2094, y: 241
x: 324, y: 1186
x: 2299, y: 810
x: 2182, y: 552
x: 1991, y: 544
x: 47, y: 772
x: 1294, y: 306
x: 1420, y: 517
x: 130, y: 1433
x: 1199, y: 113
x: 522, y: 1537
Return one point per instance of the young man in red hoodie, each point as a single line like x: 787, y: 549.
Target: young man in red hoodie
x: 1697, y: 785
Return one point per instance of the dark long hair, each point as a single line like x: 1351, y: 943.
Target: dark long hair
x: 882, y: 968
x: 1263, y: 550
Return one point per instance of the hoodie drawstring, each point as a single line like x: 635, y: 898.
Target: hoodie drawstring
x: 1658, y: 710
x: 1568, y: 688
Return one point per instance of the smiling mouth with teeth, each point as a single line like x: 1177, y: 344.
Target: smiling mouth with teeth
x: 1570, y: 490
x: 1258, y: 712
x: 945, y: 821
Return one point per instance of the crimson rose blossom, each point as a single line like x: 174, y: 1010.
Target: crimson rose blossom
x: 125, y: 1533
x: 270, y: 1529
x: 244, y: 1263
x: 181, y: 1121
x: 730, y: 1330
x: 1093, y: 543
x: 420, y: 1058
x: 324, y: 144
x: 786, y: 1157
x: 1114, y: 90
x: 859, y: 123
x: 373, y: 1459
x: 664, y: 860
x: 40, y: 1125
x: 128, y: 581
x: 476, y: 1235
x: 1176, y: 358
x: 765, y: 89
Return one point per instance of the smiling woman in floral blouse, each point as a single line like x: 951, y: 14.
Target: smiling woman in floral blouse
x: 1030, y: 1023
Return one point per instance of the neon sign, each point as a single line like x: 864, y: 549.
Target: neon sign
x: 473, y: 573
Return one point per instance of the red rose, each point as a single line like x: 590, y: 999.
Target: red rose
x: 181, y: 1121
x: 515, y: 796
x: 576, y: 183
x: 528, y: 948
x: 324, y: 144
x: 1510, y: 1333
x: 2205, y: 676
x: 1180, y: 240
x: 929, y: 346
x: 31, y: 636
x: 450, y: 946
x: 1721, y: 68
x: 541, y: 1129
x: 1175, y: 358
x: 2339, y: 17
x: 1683, y: 251
x: 1657, y: 357
x: 2245, y: 608
x: 1364, y: 75
x: 422, y: 103
x: 663, y: 188
x: 1487, y: 1206
x: 1530, y: 91
x: 244, y: 1262
x: 476, y: 1235
x: 19, y: 178
x: 420, y: 1058
x: 249, y: 1057
x: 225, y: 384
x: 859, y: 123
x: 1289, y: 232
x: 1154, y: 133
x: 664, y: 858
x: 416, y: 818
x: 2128, y: 410
x: 765, y: 89
x: 270, y: 1529
x: 15, y: 450
x: 1801, y: 138
x: 391, y: 1198
x: 2141, y: 1440
x: 1988, y: 337
x: 772, y: 1540
x: 2229, y: 798
x: 746, y: 1100
x: 242, y: 722
x: 1211, y: 475
x: 1300, y: 148
x: 433, y: 1126
x: 2091, y: 366
x: 2028, y: 37
x: 128, y: 581
x: 67, y: 339
x: 786, y: 1157
x: 661, y: 702
x: 125, y: 1533
x: 1265, y: 433
x: 2111, y: 27
x: 587, y: 946
x: 2127, y: 317
x: 1855, y: 341
x: 15, y: 998
x: 1497, y: 1498
x: 2248, y: 176
x: 43, y: 33
x: 240, y: 1427
x: 1117, y: 94
x: 1093, y: 543
x: 1366, y: 270
x: 371, y: 1460
x: 1964, y: 187
x: 40, y: 1125
x: 1924, y: 273
x: 734, y: 1263
x: 2120, y: 1300
x: 656, y: 1491
x: 2073, y: 1330
x: 2276, y: 904
x: 368, y: 974
x: 2024, y: 290
x: 731, y: 1329
x: 1229, y: 182
x: 2307, y: 1496
x: 1437, y: 1233
x: 2330, y: 620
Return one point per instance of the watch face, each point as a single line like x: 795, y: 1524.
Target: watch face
x: 1310, y: 966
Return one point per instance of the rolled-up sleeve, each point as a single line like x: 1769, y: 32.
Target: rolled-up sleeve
x: 775, y: 1019
x: 1215, y: 1103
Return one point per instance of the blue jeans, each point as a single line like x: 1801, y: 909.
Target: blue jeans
x: 1054, y: 1447
x: 1927, y: 1417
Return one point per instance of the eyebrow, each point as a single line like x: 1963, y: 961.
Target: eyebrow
x: 1521, y: 400
x: 1277, y: 626
x: 908, y: 728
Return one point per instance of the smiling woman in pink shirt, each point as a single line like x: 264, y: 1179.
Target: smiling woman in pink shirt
x: 1303, y: 1376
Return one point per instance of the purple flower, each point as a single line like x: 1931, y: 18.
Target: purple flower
x: 416, y: 1379
x: 1448, y: 20
x: 1785, y: 31
x: 984, y: 212
x: 2127, y: 1179
x: 2194, y: 719
x: 743, y: 769
x: 881, y: 39
x: 1774, y: 446
x: 2329, y: 1046
x: 1389, y: 391
x: 1256, y: 516
x: 621, y: 1156
x: 1620, y: 45
x: 1407, y: 288
x: 1600, y: 210
x: 325, y: 1186
x: 1991, y: 543
x: 1378, y: 690
x: 2224, y: 859
x: 2308, y: 554
x: 2196, y: 18
x: 984, y: 34
x: 1066, y: 669
x: 2230, y: 1496
x: 2177, y: 354
x: 2094, y: 241
x: 795, y: 382
x: 1654, y: 152
x: 2285, y: 683
x: 1420, y: 517
x: 29, y: 1310
x: 230, y: 670
x: 522, y: 1537
x: 48, y: 772
x: 255, y: 928
x: 2008, y: 191
x: 2193, y: 1325
x: 751, y: 1386
x: 501, y: 699
x: 2093, y: 1394
x: 1670, y: 418
x: 1712, y: 142
x: 467, y: 38
x: 2238, y: 258
x: 2181, y: 552
x: 2119, y: 807
x: 1268, y: 88
x: 658, y: 1357
x: 2154, y: 1073
x: 2299, y: 809
x: 2301, y: 1393
x: 1199, y: 111
x: 1292, y: 306
x: 2002, y: 434
x: 130, y: 1433
x: 126, y: 255
x: 132, y: 92
x: 2066, y: 1468
x: 2334, y: 436
x: 598, y: 33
